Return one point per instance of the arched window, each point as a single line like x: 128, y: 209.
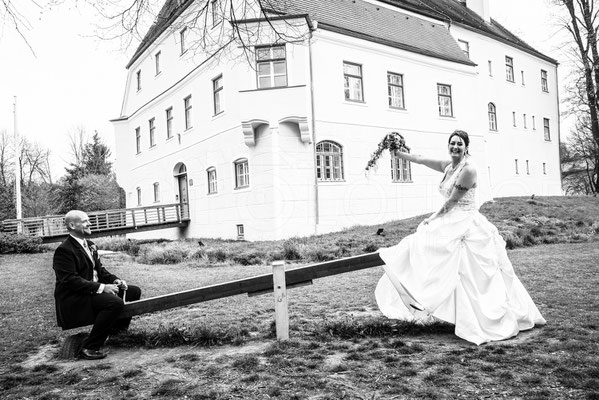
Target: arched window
x: 329, y: 161
x: 492, y: 117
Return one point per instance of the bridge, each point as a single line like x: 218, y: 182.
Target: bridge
x: 51, y: 228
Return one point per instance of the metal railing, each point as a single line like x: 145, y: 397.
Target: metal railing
x: 101, y: 221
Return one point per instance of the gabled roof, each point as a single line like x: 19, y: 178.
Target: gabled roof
x: 456, y: 12
x: 379, y: 24
x: 169, y: 13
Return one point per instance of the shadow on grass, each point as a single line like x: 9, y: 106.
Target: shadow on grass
x: 173, y: 336
x: 349, y: 328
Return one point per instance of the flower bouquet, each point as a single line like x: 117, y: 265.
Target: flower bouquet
x: 393, y: 141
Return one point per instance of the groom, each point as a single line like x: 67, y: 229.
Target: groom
x: 86, y: 293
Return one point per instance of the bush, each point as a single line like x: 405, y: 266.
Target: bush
x: 17, y: 243
x: 218, y: 255
x: 512, y: 240
x: 250, y: 257
x: 294, y: 248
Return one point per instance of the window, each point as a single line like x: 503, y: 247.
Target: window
x: 514, y: 118
x: 139, y: 196
x: 544, y: 169
x: 271, y: 66
x: 546, y: 131
x: 395, y: 90
x: 169, y: 122
x: 527, y: 168
x: 212, y: 185
x: 522, y: 77
x: 138, y: 140
x: 329, y: 161
x: 157, y: 62
x: 516, y: 160
x: 217, y: 87
x: 509, y: 69
x: 182, y: 37
x: 524, y: 120
x: 215, y: 14
x: 187, y: 105
x: 490, y: 65
x: 242, y: 174
x: 401, y: 170
x: 465, y: 46
x: 156, y: 192
x: 138, y: 78
x: 444, y: 98
x: 240, y: 232
x: 352, y: 77
x: 534, y: 124
x: 544, y: 85
x: 492, y: 117
x: 152, y: 132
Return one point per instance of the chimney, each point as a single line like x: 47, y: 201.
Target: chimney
x: 481, y: 7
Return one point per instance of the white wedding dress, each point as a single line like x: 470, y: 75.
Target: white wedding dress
x: 456, y: 269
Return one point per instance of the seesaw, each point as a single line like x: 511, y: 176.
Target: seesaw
x: 278, y: 282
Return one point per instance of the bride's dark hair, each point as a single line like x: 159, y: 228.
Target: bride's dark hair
x: 461, y: 134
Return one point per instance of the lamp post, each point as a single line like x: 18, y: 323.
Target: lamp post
x: 17, y: 168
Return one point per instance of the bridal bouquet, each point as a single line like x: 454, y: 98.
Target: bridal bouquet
x: 393, y: 141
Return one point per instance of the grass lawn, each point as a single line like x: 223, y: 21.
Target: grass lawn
x: 341, y: 347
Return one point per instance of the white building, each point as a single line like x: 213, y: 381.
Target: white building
x: 275, y: 146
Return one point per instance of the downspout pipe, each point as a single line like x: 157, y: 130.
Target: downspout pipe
x: 313, y: 26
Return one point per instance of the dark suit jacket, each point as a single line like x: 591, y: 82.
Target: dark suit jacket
x: 74, y: 283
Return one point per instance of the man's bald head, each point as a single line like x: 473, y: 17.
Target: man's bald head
x: 77, y: 223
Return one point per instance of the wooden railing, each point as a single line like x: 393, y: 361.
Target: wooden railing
x: 102, y: 221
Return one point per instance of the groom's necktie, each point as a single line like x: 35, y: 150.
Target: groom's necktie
x: 89, y: 254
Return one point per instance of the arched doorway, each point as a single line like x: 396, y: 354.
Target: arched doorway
x: 180, y: 173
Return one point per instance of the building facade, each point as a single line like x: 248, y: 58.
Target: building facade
x: 271, y: 139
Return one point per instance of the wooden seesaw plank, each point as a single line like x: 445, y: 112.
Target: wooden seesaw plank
x: 256, y: 284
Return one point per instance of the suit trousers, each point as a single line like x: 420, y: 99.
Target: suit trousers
x: 106, y: 308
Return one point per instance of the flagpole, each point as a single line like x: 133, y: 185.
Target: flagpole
x: 17, y: 166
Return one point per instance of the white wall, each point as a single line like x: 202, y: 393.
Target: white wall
x: 281, y: 199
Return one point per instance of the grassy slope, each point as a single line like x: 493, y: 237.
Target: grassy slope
x: 521, y: 221
x: 341, y: 346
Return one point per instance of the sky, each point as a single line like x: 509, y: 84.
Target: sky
x: 71, y: 79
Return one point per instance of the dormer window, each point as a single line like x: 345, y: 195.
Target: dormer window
x: 182, y: 37
x: 157, y: 62
x: 509, y: 69
x: 465, y: 46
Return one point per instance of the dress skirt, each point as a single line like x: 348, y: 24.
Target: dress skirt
x: 456, y: 269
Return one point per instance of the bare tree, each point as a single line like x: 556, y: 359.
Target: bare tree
x: 578, y: 157
x: 582, y: 23
x: 78, y: 138
x: 34, y: 163
x: 6, y: 160
x: 216, y: 26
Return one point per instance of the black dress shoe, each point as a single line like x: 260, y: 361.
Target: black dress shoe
x: 91, y: 354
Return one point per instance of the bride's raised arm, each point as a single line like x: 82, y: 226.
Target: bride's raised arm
x: 433, y: 163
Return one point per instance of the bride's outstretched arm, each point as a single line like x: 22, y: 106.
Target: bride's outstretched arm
x: 433, y: 163
x: 465, y: 182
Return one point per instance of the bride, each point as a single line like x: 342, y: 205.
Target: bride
x: 455, y: 267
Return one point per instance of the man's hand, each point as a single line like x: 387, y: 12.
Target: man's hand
x: 111, y: 289
x: 121, y: 284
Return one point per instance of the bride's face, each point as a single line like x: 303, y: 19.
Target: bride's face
x: 457, y: 147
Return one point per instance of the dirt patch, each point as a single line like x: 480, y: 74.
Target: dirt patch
x: 121, y: 359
